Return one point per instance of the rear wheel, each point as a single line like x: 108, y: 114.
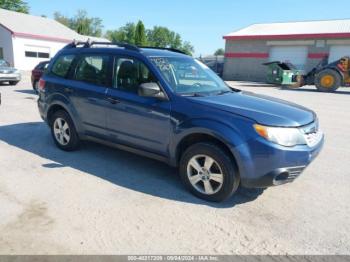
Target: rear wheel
x: 63, y: 131
x: 328, y: 80
x: 208, y: 172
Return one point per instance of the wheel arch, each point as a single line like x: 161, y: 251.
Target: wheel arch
x: 57, y: 106
x: 198, y: 137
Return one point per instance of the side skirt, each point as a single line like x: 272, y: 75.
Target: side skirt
x: 129, y: 149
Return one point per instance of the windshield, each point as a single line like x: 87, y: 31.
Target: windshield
x: 3, y: 63
x: 188, y: 76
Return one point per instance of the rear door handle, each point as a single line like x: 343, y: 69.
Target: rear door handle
x: 113, y: 100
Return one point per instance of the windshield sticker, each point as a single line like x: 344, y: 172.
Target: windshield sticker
x: 162, y: 63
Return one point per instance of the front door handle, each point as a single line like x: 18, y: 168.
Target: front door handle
x: 113, y: 100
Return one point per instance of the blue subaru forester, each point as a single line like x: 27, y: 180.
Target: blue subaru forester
x: 163, y: 104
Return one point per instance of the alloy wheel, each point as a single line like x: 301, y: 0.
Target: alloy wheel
x: 61, y: 131
x: 205, y: 174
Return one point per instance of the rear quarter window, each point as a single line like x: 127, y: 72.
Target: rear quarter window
x: 62, y: 64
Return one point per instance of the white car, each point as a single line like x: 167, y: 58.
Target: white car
x: 8, y: 73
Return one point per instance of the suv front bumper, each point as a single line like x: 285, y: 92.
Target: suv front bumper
x: 281, y: 166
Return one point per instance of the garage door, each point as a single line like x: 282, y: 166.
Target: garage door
x: 296, y: 55
x: 33, y: 55
x: 338, y: 52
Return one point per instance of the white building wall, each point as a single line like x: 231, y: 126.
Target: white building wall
x: 21, y: 45
x: 6, y: 45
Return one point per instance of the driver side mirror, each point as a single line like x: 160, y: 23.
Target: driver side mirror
x: 151, y: 89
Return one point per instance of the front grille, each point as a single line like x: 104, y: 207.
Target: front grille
x: 312, y: 133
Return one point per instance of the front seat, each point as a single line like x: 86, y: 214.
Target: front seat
x: 127, y: 79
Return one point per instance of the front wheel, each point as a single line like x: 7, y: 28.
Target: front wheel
x: 328, y: 80
x: 208, y: 172
x: 63, y: 131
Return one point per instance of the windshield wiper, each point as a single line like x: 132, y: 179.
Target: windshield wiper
x: 193, y: 94
x: 223, y: 92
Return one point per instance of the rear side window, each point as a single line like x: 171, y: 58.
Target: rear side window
x: 62, y: 65
x: 93, y: 69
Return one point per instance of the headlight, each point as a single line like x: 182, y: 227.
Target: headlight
x: 284, y: 136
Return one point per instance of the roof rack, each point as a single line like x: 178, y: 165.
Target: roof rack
x: 164, y: 48
x: 90, y: 43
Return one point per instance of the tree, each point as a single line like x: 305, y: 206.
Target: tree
x: 124, y: 34
x: 15, y: 5
x: 140, y: 34
x: 81, y: 23
x: 62, y: 19
x: 187, y: 48
x: 161, y: 36
x: 220, y: 51
x: 158, y: 36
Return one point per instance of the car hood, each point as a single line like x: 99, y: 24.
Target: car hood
x: 263, y: 109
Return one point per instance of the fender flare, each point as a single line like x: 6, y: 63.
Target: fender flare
x: 228, y: 135
x: 62, y: 101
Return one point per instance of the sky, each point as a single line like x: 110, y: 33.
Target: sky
x: 201, y: 22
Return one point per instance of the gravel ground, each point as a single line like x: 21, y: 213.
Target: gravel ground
x: 100, y: 200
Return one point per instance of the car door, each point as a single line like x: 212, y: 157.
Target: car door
x: 134, y: 120
x: 88, y: 86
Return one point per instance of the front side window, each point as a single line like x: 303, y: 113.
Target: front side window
x: 188, y: 76
x: 93, y: 69
x: 62, y: 65
x: 130, y: 73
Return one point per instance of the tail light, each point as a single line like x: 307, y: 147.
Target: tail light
x: 42, y: 83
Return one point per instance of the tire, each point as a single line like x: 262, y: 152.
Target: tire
x: 222, y: 164
x: 328, y: 80
x: 63, y: 131
x: 13, y: 83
